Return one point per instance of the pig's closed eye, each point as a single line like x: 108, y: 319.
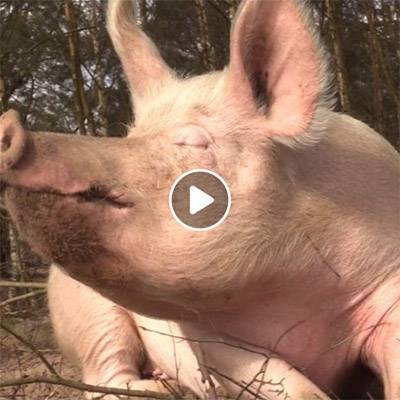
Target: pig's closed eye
x: 194, y: 136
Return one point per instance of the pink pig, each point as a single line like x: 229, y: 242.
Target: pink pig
x: 297, y: 288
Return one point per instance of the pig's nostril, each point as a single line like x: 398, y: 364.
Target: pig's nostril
x: 5, y: 142
x: 13, y: 139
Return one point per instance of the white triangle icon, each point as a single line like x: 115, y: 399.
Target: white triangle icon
x: 198, y: 200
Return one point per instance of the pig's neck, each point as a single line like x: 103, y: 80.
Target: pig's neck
x: 316, y: 331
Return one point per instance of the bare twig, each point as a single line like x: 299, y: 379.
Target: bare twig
x: 175, y: 360
x: 212, y: 341
x: 219, y: 10
x: 47, y: 39
x: 57, y: 379
x: 239, y: 384
x: 341, y: 343
x: 170, y: 388
x: 85, y: 387
x: 255, y: 378
x: 22, y: 297
x: 35, y: 285
x: 205, y: 374
x: 322, y: 257
x: 30, y: 346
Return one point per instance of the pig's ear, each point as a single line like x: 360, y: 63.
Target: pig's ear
x: 278, y: 67
x: 144, y: 68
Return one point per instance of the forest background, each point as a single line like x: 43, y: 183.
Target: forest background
x: 59, y: 70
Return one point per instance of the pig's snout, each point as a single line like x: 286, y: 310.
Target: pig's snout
x: 13, y: 139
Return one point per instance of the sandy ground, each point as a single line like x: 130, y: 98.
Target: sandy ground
x: 18, y: 361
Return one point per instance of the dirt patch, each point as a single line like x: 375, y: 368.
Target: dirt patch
x: 19, y: 362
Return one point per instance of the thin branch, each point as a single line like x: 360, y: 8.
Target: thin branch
x: 170, y: 388
x: 35, y: 285
x: 322, y: 257
x: 205, y: 374
x: 340, y: 343
x: 22, y: 297
x: 239, y: 384
x: 219, y: 11
x: 210, y: 341
x: 262, y: 372
x: 85, y: 387
x: 41, y: 42
x: 30, y: 346
x: 56, y: 379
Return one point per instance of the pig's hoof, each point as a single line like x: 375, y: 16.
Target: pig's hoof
x: 159, y: 374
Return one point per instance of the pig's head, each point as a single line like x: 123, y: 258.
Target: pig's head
x: 99, y: 206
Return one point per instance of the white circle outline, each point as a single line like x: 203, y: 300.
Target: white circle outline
x: 180, y: 177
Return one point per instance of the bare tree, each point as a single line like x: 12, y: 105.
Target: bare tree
x: 374, y: 50
x: 207, y: 50
x: 333, y: 13
x: 99, y: 74
x: 82, y: 109
x: 233, y: 5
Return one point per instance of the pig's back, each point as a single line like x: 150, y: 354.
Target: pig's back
x: 354, y: 168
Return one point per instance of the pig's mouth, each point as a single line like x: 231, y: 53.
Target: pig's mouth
x: 99, y: 194
x: 95, y: 194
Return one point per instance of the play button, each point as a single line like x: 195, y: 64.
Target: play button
x: 199, y: 199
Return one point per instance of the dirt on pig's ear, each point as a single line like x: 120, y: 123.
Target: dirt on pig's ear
x: 278, y: 67
x: 144, y: 68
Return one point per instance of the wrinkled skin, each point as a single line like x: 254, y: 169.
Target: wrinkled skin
x: 303, y: 272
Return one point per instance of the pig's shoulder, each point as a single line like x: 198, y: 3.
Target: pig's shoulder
x: 344, y: 131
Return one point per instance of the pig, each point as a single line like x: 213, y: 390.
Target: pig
x: 296, y: 289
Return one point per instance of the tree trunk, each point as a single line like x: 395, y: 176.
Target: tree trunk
x: 142, y: 17
x: 9, y: 245
x: 322, y: 16
x: 233, y: 5
x: 207, y: 50
x: 3, y: 105
x: 99, y: 74
x: 16, y: 268
x: 4, y: 246
x: 81, y: 104
x: 15, y: 254
x: 334, y: 18
x: 374, y: 51
x: 391, y: 70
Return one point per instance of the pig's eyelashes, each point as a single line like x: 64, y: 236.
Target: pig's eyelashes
x: 194, y: 136
x: 199, y: 146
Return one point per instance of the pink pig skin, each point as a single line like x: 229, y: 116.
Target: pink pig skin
x: 296, y: 289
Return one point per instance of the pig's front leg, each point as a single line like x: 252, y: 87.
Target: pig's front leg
x: 250, y: 373
x: 97, y: 335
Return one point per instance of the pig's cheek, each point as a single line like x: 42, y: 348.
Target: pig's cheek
x: 210, y: 160
x: 192, y: 157
x: 57, y: 231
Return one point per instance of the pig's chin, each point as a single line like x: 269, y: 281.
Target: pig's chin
x: 63, y: 229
